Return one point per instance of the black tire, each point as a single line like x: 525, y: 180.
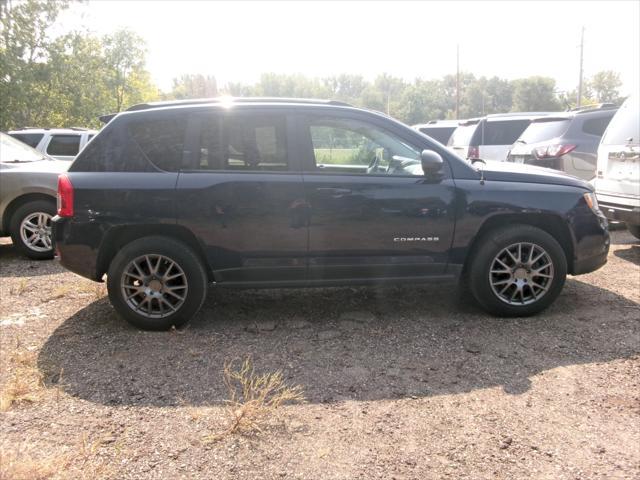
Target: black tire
x: 495, y: 243
x: 38, y: 249
x: 634, y: 230
x: 188, y: 267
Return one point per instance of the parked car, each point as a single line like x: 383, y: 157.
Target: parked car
x: 617, y: 179
x: 567, y: 141
x: 28, y: 187
x: 440, y: 130
x: 59, y: 143
x: 490, y: 137
x: 290, y: 193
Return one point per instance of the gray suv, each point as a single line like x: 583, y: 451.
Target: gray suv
x: 565, y: 141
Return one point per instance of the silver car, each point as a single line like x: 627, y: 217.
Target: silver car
x: 28, y: 188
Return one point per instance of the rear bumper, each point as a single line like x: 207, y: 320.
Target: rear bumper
x: 74, y: 248
x: 619, y: 212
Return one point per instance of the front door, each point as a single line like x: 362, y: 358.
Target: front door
x: 373, y: 214
x: 241, y: 193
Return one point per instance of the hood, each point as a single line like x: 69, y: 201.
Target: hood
x: 53, y: 166
x: 518, y: 172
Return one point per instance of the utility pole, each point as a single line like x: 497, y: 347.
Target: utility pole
x: 579, y: 99
x: 457, y: 81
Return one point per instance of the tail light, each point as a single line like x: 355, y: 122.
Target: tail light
x: 474, y: 152
x: 552, y: 151
x: 65, y: 196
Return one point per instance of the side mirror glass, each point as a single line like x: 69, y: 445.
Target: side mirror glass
x: 431, y: 162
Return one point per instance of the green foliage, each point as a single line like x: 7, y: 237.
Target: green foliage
x: 604, y: 86
x: 69, y: 80
x: 194, y: 86
x: 535, y: 94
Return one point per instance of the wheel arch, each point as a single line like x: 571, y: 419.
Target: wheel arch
x: 118, y: 237
x: 554, y: 225
x: 19, y: 201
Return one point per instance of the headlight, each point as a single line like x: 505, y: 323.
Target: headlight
x: 592, y: 201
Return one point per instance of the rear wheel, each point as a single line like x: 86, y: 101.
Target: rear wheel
x: 31, y: 229
x: 156, y: 282
x: 517, y: 271
x: 634, y: 230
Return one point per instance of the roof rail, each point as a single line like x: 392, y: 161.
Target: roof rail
x: 202, y: 101
x: 594, y: 106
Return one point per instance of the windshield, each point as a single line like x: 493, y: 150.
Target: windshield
x: 462, y: 135
x: 625, y: 124
x: 11, y: 150
x: 544, y: 130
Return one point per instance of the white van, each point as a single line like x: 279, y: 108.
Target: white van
x: 59, y: 143
x: 617, y: 180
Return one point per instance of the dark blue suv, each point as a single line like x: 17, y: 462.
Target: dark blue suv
x: 171, y: 198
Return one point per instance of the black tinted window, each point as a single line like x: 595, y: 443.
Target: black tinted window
x: 243, y: 142
x: 161, y: 140
x: 31, y: 139
x: 545, y: 130
x: 596, y: 126
x: 625, y: 124
x: 67, y: 145
x: 441, y: 134
x: 500, y: 132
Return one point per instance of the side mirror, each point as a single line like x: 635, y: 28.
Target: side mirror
x: 431, y: 162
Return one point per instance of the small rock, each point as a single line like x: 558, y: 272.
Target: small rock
x: 298, y: 323
x: 349, y: 324
x: 472, y: 348
x: 264, y: 326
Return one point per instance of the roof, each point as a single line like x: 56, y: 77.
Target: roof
x: 232, y: 100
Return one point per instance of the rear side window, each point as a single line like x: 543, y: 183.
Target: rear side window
x: 545, y: 130
x: 462, y: 135
x: 240, y: 142
x: 442, y: 134
x: 64, y: 145
x: 625, y: 124
x: 137, y: 145
x: 31, y: 139
x: 500, y: 132
x: 161, y: 141
x: 596, y: 126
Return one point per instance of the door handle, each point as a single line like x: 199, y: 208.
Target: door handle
x: 334, y: 191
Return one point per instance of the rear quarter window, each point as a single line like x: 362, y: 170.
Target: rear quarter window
x: 135, y: 145
x: 64, y: 145
x: 596, y: 126
x: 31, y: 139
x: 500, y: 132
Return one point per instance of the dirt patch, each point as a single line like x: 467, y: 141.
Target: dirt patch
x: 400, y: 382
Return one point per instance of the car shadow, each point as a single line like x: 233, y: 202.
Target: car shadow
x: 15, y: 264
x: 631, y: 254
x: 342, y: 343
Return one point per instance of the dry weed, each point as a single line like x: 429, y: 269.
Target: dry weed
x: 253, y: 398
x: 25, y: 382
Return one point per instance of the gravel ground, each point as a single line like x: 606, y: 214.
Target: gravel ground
x: 404, y: 383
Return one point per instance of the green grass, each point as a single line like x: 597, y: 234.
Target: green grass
x: 337, y: 156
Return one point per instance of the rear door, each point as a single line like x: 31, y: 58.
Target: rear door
x: 373, y: 214
x: 240, y: 192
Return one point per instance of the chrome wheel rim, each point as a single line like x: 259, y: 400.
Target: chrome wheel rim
x: 521, y: 274
x: 154, y: 286
x: 35, y: 231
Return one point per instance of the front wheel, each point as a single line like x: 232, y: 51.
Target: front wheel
x: 517, y: 271
x: 156, y: 282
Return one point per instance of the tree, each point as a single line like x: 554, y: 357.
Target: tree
x: 604, y: 86
x: 194, y: 86
x: 535, y: 94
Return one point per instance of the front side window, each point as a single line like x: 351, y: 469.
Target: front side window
x: 64, y: 145
x: 353, y: 146
x: 239, y: 142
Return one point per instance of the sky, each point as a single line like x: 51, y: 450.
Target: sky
x: 237, y: 41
